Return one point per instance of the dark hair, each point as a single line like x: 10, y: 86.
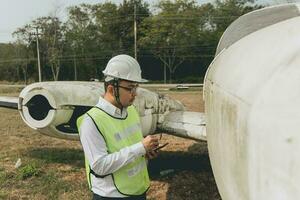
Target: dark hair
x: 113, y: 82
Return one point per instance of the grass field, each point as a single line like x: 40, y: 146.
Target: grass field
x: 54, y: 169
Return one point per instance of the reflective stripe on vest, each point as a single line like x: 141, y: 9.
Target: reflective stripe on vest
x: 127, y: 132
x: 131, y: 179
x: 136, y: 169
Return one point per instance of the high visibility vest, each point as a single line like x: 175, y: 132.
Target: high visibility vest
x: 132, y: 179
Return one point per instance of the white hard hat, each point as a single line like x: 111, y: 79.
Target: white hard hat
x: 123, y: 67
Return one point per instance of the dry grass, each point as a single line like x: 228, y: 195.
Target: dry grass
x: 10, y: 90
x: 54, y: 169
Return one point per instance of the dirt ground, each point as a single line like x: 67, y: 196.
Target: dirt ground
x: 182, y: 170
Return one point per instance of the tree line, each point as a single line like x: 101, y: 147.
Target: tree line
x: 176, y: 40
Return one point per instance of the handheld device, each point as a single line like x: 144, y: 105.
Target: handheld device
x: 160, y: 146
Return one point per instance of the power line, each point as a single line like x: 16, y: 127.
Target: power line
x: 101, y: 58
x: 96, y: 53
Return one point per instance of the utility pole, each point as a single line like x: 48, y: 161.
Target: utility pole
x: 165, y: 74
x: 75, y: 68
x: 38, y: 52
x: 135, y: 34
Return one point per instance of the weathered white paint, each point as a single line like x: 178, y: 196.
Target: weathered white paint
x: 154, y: 109
x: 252, y: 104
x: 185, y: 124
x: 9, y: 99
x: 62, y: 96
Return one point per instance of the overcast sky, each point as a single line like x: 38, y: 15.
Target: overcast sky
x: 16, y: 13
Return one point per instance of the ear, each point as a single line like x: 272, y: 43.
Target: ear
x: 110, y: 90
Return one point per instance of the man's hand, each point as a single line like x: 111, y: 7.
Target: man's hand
x: 150, y: 143
x: 151, y: 154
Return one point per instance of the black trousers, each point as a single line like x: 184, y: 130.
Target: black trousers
x: 141, y: 197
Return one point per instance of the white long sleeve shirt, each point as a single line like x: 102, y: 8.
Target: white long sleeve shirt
x: 95, y: 150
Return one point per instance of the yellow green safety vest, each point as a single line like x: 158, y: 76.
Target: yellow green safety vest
x: 132, y: 179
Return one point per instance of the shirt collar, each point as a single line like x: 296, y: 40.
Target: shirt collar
x: 111, y: 109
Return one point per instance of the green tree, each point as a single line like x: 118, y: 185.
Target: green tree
x: 97, y: 32
x: 170, y: 33
x: 125, y: 23
x: 23, y: 57
x: 107, y: 26
x: 7, y: 58
x: 226, y: 11
x: 51, y: 40
x: 178, y: 33
x: 79, y: 35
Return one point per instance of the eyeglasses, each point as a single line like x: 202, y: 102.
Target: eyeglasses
x: 129, y: 89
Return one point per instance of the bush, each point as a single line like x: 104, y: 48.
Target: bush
x: 27, y: 171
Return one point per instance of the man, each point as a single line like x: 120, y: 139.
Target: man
x: 111, y: 136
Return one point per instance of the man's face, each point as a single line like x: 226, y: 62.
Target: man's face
x: 127, y: 92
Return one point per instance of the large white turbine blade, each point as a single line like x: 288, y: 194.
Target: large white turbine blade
x: 185, y: 124
x: 248, y: 23
x: 252, y: 102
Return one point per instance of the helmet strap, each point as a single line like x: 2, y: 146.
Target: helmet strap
x: 117, y: 92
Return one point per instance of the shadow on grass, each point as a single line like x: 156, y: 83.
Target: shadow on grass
x: 178, y: 161
x: 188, y: 174
x: 73, y: 157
